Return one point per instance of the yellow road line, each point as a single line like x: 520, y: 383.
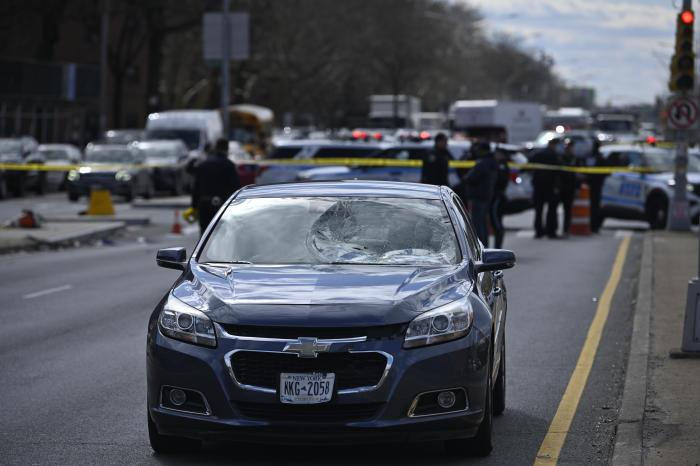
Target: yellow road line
x: 556, y: 435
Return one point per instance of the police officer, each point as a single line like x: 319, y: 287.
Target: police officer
x: 595, y: 181
x: 544, y: 190
x: 216, y: 178
x: 499, y: 197
x: 478, y: 186
x: 436, y: 163
x: 567, y: 184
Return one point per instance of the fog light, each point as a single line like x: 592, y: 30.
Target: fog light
x: 446, y: 400
x: 177, y: 397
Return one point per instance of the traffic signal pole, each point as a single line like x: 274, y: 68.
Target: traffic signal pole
x: 225, y: 66
x: 683, y: 83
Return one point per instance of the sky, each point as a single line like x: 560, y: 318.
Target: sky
x: 622, y: 48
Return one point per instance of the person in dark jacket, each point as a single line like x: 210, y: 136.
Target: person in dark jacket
x: 595, y: 182
x: 478, y: 188
x: 436, y: 163
x: 544, y: 190
x: 499, y: 197
x: 567, y: 184
x: 215, y: 179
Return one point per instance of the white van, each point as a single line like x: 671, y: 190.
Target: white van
x: 195, y: 128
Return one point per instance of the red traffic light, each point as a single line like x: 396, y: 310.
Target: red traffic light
x: 687, y: 17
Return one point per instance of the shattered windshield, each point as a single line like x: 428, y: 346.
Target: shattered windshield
x: 376, y: 231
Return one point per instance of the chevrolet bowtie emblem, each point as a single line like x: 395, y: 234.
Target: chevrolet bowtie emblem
x: 306, y: 347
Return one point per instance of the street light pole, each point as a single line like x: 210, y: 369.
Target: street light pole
x: 104, y: 38
x: 225, y: 65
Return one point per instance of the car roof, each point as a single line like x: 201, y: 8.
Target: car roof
x: 345, y: 188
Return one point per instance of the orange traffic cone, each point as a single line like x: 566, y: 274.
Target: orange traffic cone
x: 177, y: 228
x: 581, y: 213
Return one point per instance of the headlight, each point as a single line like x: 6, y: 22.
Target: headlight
x: 445, y: 323
x: 182, y: 322
x: 123, y: 176
x: 73, y: 175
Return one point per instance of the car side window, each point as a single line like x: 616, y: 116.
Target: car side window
x: 472, y: 243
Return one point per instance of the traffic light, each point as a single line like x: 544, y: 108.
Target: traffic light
x: 683, y: 61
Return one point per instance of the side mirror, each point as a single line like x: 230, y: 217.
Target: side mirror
x: 172, y: 258
x: 495, y: 259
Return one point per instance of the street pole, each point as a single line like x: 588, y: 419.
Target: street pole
x: 104, y: 39
x: 680, y: 216
x: 225, y: 66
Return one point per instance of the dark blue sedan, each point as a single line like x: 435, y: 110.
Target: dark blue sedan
x: 331, y: 312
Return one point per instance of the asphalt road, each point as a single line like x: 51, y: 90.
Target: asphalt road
x: 72, y: 358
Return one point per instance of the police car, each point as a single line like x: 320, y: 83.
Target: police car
x: 646, y: 196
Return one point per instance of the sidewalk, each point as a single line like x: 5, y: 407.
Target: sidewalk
x: 660, y: 416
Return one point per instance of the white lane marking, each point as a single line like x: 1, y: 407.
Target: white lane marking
x: 47, y: 291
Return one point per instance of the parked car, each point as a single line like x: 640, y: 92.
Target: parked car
x: 239, y: 156
x: 646, y: 196
x: 331, y: 312
x: 19, y: 151
x: 167, y: 160
x: 519, y: 191
x: 309, y: 149
x: 56, y: 155
x: 118, y: 168
x: 122, y: 136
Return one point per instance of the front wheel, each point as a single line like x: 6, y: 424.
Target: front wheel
x: 482, y: 443
x: 167, y: 444
x: 657, y: 212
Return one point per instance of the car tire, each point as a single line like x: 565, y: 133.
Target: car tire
x: 657, y: 211
x: 41, y: 183
x: 482, y: 443
x: 3, y: 188
x: 167, y: 444
x: 177, y: 186
x: 130, y: 195
x: 499, y: 390
x: 20, y: 186
x: 148, y: 193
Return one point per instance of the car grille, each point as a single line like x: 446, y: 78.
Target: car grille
x: 326, y: 412
x: 352, y: 370
x: 291, y: 333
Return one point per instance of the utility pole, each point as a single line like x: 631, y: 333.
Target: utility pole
x: 225, y: 66
x: 104, y: 40
x: 682, y: 82
x: 683, y: 114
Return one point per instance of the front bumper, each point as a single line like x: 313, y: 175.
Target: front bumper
x: 457, y: 364
x: 84, y: 186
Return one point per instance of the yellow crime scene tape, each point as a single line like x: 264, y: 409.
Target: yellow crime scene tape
x: 340, y: 161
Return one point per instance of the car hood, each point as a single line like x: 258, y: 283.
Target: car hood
x: 693, y: 177
x: 319, y: 295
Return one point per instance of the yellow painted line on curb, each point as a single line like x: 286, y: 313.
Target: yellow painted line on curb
x: 559, y: 428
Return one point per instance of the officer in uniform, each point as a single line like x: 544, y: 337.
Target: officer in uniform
x: 436, y: 163
x: 215, y: 179
x: 545, y: 185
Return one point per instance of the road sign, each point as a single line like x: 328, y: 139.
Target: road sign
x: 213, y: 30
x: 682, y: 113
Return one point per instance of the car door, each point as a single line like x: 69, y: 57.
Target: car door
x: 624, y: 191
x: 489, y: 284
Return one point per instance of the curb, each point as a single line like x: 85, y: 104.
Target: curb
x: 628, y: 441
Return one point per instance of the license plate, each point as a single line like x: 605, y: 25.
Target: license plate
x: 306, y: 389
